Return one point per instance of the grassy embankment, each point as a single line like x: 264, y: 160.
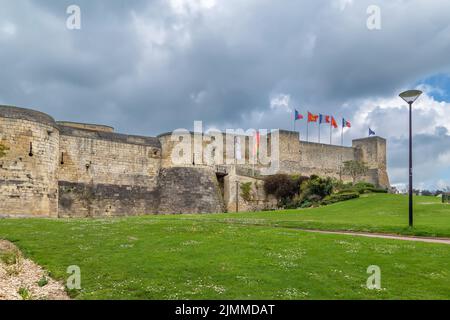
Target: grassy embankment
x: 200, y: 257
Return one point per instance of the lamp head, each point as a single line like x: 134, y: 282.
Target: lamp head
x: 410, y: 96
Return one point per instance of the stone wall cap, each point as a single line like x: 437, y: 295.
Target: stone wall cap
x: 325, y: 144
x: 89, y: 126
x: 13, y: 112
x: 370, y: 138
x: 110, y: 136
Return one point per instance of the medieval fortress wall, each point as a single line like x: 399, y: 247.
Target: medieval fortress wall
x: 65, y: 169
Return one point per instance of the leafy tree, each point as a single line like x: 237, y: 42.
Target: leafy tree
x: 355, y: 169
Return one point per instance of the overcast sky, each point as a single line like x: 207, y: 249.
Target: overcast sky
x: 147, y: 67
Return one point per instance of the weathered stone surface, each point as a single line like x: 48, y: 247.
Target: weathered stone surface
x: 28, y: 172
x: 189, y: 190
x: 101, y: 200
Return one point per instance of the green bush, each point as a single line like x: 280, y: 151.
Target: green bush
x: 375, y: 190
x: 43, y: 282
x: 283, y: 187
x: 363, y: 185
x: 246, y: 189
x: 339, y: 197
x: 24, y: 294
x: 316, y: 188
x: 9, y: 258
x: 306, y: 204
x: 360, y: 187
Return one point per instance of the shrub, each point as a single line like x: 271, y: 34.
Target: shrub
x: 24, y: 294
x: 375, y: 190
x: 306, y: 204
x: 360, y: 187
x: 245, y: 191
x: 282, y: 186
x: 364, y: 185
x: 42, y: 282
x: 9, y: 258
x: 334, y: 198
x: 316, y: 188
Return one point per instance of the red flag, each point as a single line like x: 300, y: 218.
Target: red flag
x: 312, y: 117
x: 257, y: 137
x: 327, y: 119
x: 334, y: 123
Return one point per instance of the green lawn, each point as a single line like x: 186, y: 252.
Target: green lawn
x: 372, y: 212
x: 197, y: 257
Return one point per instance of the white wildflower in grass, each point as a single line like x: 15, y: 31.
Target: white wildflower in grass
x: 386, y: 249
x: 293, y: 293
x: 199, y: 286
x: 350, y: 247
x: 191, y: 243
x: 127, y: 245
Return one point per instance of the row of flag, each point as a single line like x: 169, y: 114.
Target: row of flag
x: 320, y: 118
x: 327, y: 119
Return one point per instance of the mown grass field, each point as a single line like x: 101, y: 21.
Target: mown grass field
x: 202, y: 257
x: 382, y: 213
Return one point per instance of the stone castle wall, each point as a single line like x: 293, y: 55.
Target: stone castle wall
x: 28, y: 184
x: 66, y: 169
x: 104, y: 173
x: 189, y: 190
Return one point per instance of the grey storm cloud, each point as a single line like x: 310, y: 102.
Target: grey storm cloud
x: 147, y: 67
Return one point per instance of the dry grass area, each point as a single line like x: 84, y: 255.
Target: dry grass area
x: 22, y: 279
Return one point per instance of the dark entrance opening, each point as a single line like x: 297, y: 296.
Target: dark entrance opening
x: 221, y: 173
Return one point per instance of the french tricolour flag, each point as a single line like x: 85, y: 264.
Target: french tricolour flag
x: 346, y: 124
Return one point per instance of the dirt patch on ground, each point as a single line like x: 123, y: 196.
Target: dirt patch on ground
x: 22, y: 279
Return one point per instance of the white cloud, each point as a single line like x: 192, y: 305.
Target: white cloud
x: 281, y: 102
x: 186, y: 7
x: 342, y: 4
x: 8, y: 29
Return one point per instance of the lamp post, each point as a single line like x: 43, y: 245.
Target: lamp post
x: 410, y: 97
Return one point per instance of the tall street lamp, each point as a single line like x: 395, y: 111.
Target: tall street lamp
x: 410, y: 97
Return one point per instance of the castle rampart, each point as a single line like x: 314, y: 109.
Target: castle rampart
x: 28, y: 184
x: 67, y: 169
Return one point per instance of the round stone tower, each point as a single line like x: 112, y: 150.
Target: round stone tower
x: 28, y: 165
x: 186, y: 183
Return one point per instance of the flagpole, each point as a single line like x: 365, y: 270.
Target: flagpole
x: 331, y: 131
x: 342, y: 136
x: 307, y: 131
x: 319, y: 131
